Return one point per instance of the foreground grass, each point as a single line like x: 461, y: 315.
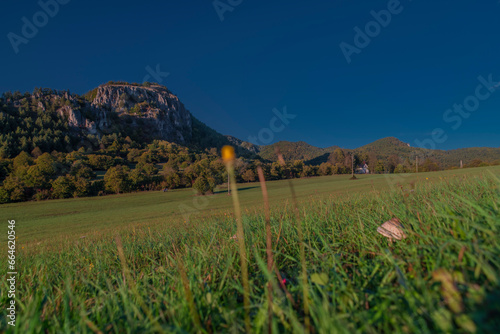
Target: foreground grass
x: 443, y: 277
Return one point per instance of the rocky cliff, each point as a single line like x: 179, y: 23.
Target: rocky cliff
x: 142, y: 112
x: 151, y: 111
x: 255, y: 149
x: 154, y: 109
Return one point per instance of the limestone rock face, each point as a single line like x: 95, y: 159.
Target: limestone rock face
x: 140, y: 113
x: 153, y: 109
x: 246, y: 145
x: 151, y: 112
x: 75, y: 119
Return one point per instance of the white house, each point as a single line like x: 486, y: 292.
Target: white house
x: 363, y: 169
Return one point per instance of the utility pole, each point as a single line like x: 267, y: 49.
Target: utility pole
x: 461, y: 164
x: 352, y: 163
x: 416, y: 162
x: 228, y: 189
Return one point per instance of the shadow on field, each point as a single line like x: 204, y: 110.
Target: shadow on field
x: 239, y: 189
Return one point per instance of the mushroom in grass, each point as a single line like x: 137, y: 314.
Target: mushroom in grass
x: 392, y: 229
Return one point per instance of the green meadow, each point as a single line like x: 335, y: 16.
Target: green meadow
x: 73, y: 218
x: 167, y: 262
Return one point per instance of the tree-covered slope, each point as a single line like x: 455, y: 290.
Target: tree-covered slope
x: 293, y: 151
x: 49, y: 120
x: 389, y: 150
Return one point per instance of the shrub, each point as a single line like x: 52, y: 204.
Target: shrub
x: 203, y: 186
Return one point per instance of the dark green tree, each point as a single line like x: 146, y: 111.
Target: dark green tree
x: 116, y: 179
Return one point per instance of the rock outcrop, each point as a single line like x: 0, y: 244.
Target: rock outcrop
x: 244, y: 144
x: 143, y: 112
x: 154, y: 109
x: 75, y: 119
x: 151, y: 111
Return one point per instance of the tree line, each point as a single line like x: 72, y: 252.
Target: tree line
x: 121, y: 166
x: 42, y: 157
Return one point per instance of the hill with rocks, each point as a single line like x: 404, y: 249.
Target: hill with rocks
x: 51, y: 120
x: 58, y: 120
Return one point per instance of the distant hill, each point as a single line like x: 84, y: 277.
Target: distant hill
x: 389, y: 146
x: 391, y: 143
x: 453, y: 157
x: 58, y: 120
x: 293, y: 151
x: 382, y: 149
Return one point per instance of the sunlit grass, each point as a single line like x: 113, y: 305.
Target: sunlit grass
x: 442, y: 277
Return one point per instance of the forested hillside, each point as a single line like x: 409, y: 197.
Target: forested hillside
x: 385, y: 155
x: 124, y: 137
x: 294, y: 150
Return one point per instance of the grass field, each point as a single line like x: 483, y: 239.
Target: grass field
x: 73, y: 218
x: 442, y: 277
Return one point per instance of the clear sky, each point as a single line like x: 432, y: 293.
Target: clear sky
x: 232, y: 65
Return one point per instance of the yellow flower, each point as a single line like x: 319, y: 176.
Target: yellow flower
x: 228, y: 153
x: 426, y: 178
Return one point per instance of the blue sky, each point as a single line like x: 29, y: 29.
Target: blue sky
x: 232, y: 73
